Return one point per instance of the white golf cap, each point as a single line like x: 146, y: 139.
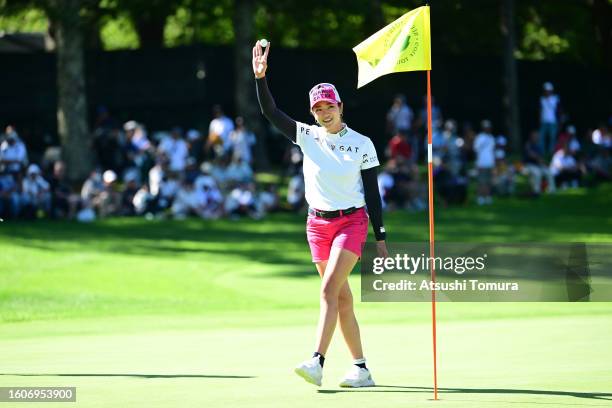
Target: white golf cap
x: 33, y: 169
x: 130, y: 125
x: 193, y: 134
x: 109, y: 176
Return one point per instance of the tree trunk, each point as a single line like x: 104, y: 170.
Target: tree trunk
x: 602, y: 14
x: 374, y: 20
x: 510, y: 77
x: 150, y: 31
x: 245, y: 98
x: 72, y: 125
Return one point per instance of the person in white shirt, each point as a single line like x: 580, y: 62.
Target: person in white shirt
x: 242, y: 200
x: 35, y: 192
x: 239, y: 171
x: 340, y: 179
x: 386, y: 182
x: 188, y: 201
x: 157, y: 173
x: 399, y: 117
x: 296, y: 192
x: 143, y: 201
x: 549, y: 108
x: 176, y: 149
x: 565, y: 169
x: 108, y: 202
x: 484, y: 146
x: 267, y: 200
x: 213, y: 207
x: 535, y: 166
x: 138, y: 145
x: 602, y: 136
x: 205, y: 178
x: 13, y: 153
x: 92, y: 187
x: 168, y: 188
x: 219, y: 132
x: 241, y: 140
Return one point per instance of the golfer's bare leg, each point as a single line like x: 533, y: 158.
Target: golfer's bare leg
x: 348, y: 322
x: 346, y: 316
x: 339, y: 266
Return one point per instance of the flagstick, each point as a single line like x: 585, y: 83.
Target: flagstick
x: 431, y: 232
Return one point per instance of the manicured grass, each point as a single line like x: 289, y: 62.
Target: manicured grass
x: 552, y: 361
x: 201, y: 313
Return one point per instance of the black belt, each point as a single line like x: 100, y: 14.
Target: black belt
x: 332, y: 214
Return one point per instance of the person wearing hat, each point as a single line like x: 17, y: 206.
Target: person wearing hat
x: 484, y: 146
x: 569, y: 138
x: 176, y: 149
x: 549, y: 110
x: 13, y: 153
x: 242, y: 140
x: 108, y: 201
x: 35, y: 192
x: 399, y: 117
x: 219, y: 133
x: 340, y: 180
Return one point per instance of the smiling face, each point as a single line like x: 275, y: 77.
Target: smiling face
x: 328, y: 115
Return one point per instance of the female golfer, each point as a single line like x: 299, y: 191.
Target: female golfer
x: 340, y: 179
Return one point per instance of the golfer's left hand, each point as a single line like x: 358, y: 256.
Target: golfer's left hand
x: 381, y: 249
x: 260, y: 60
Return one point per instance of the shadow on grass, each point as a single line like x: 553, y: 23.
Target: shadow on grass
x: 280, y: 239
x: 272, y: 256
x: 130, y: 375
x: 397, y: 388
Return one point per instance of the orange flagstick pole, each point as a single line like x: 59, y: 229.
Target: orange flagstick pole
x: 431, y: 233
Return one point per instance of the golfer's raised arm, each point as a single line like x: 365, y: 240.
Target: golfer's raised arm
x: 267, y: 105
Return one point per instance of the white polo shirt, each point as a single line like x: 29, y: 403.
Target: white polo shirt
x: 549, y: 106
x: 484, y: 146
x: 333, y: 164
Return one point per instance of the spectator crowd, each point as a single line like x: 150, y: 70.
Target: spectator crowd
x: 172, y: 174
x: 553, y: 157
x: 180, y: 173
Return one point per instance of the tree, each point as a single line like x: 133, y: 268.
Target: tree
x: 149, y: 18
x: 602, y: 18
x: 374, y: 19
x: 510, y: 79
x: 72, y: 125
x: 66, y: 27
x: 244, y: 98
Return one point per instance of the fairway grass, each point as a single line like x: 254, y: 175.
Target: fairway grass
x: 195, y: 313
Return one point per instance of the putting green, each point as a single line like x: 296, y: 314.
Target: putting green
x: 183, y: 362
x: 217, y: 314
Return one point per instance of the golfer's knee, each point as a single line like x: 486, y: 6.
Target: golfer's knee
x: 329, y: 295
x: 345, y: 304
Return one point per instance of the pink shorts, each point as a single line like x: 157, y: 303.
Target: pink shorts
x: 346, y: 232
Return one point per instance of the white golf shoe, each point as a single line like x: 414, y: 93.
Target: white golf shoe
x: 357, y: 377
x: 310, y: 370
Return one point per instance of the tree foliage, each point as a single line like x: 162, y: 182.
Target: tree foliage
x: 548, y: 29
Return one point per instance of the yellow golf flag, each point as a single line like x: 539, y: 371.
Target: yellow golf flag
x: 403, y: 45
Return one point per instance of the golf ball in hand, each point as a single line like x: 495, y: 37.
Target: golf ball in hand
x: 263, y: 43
